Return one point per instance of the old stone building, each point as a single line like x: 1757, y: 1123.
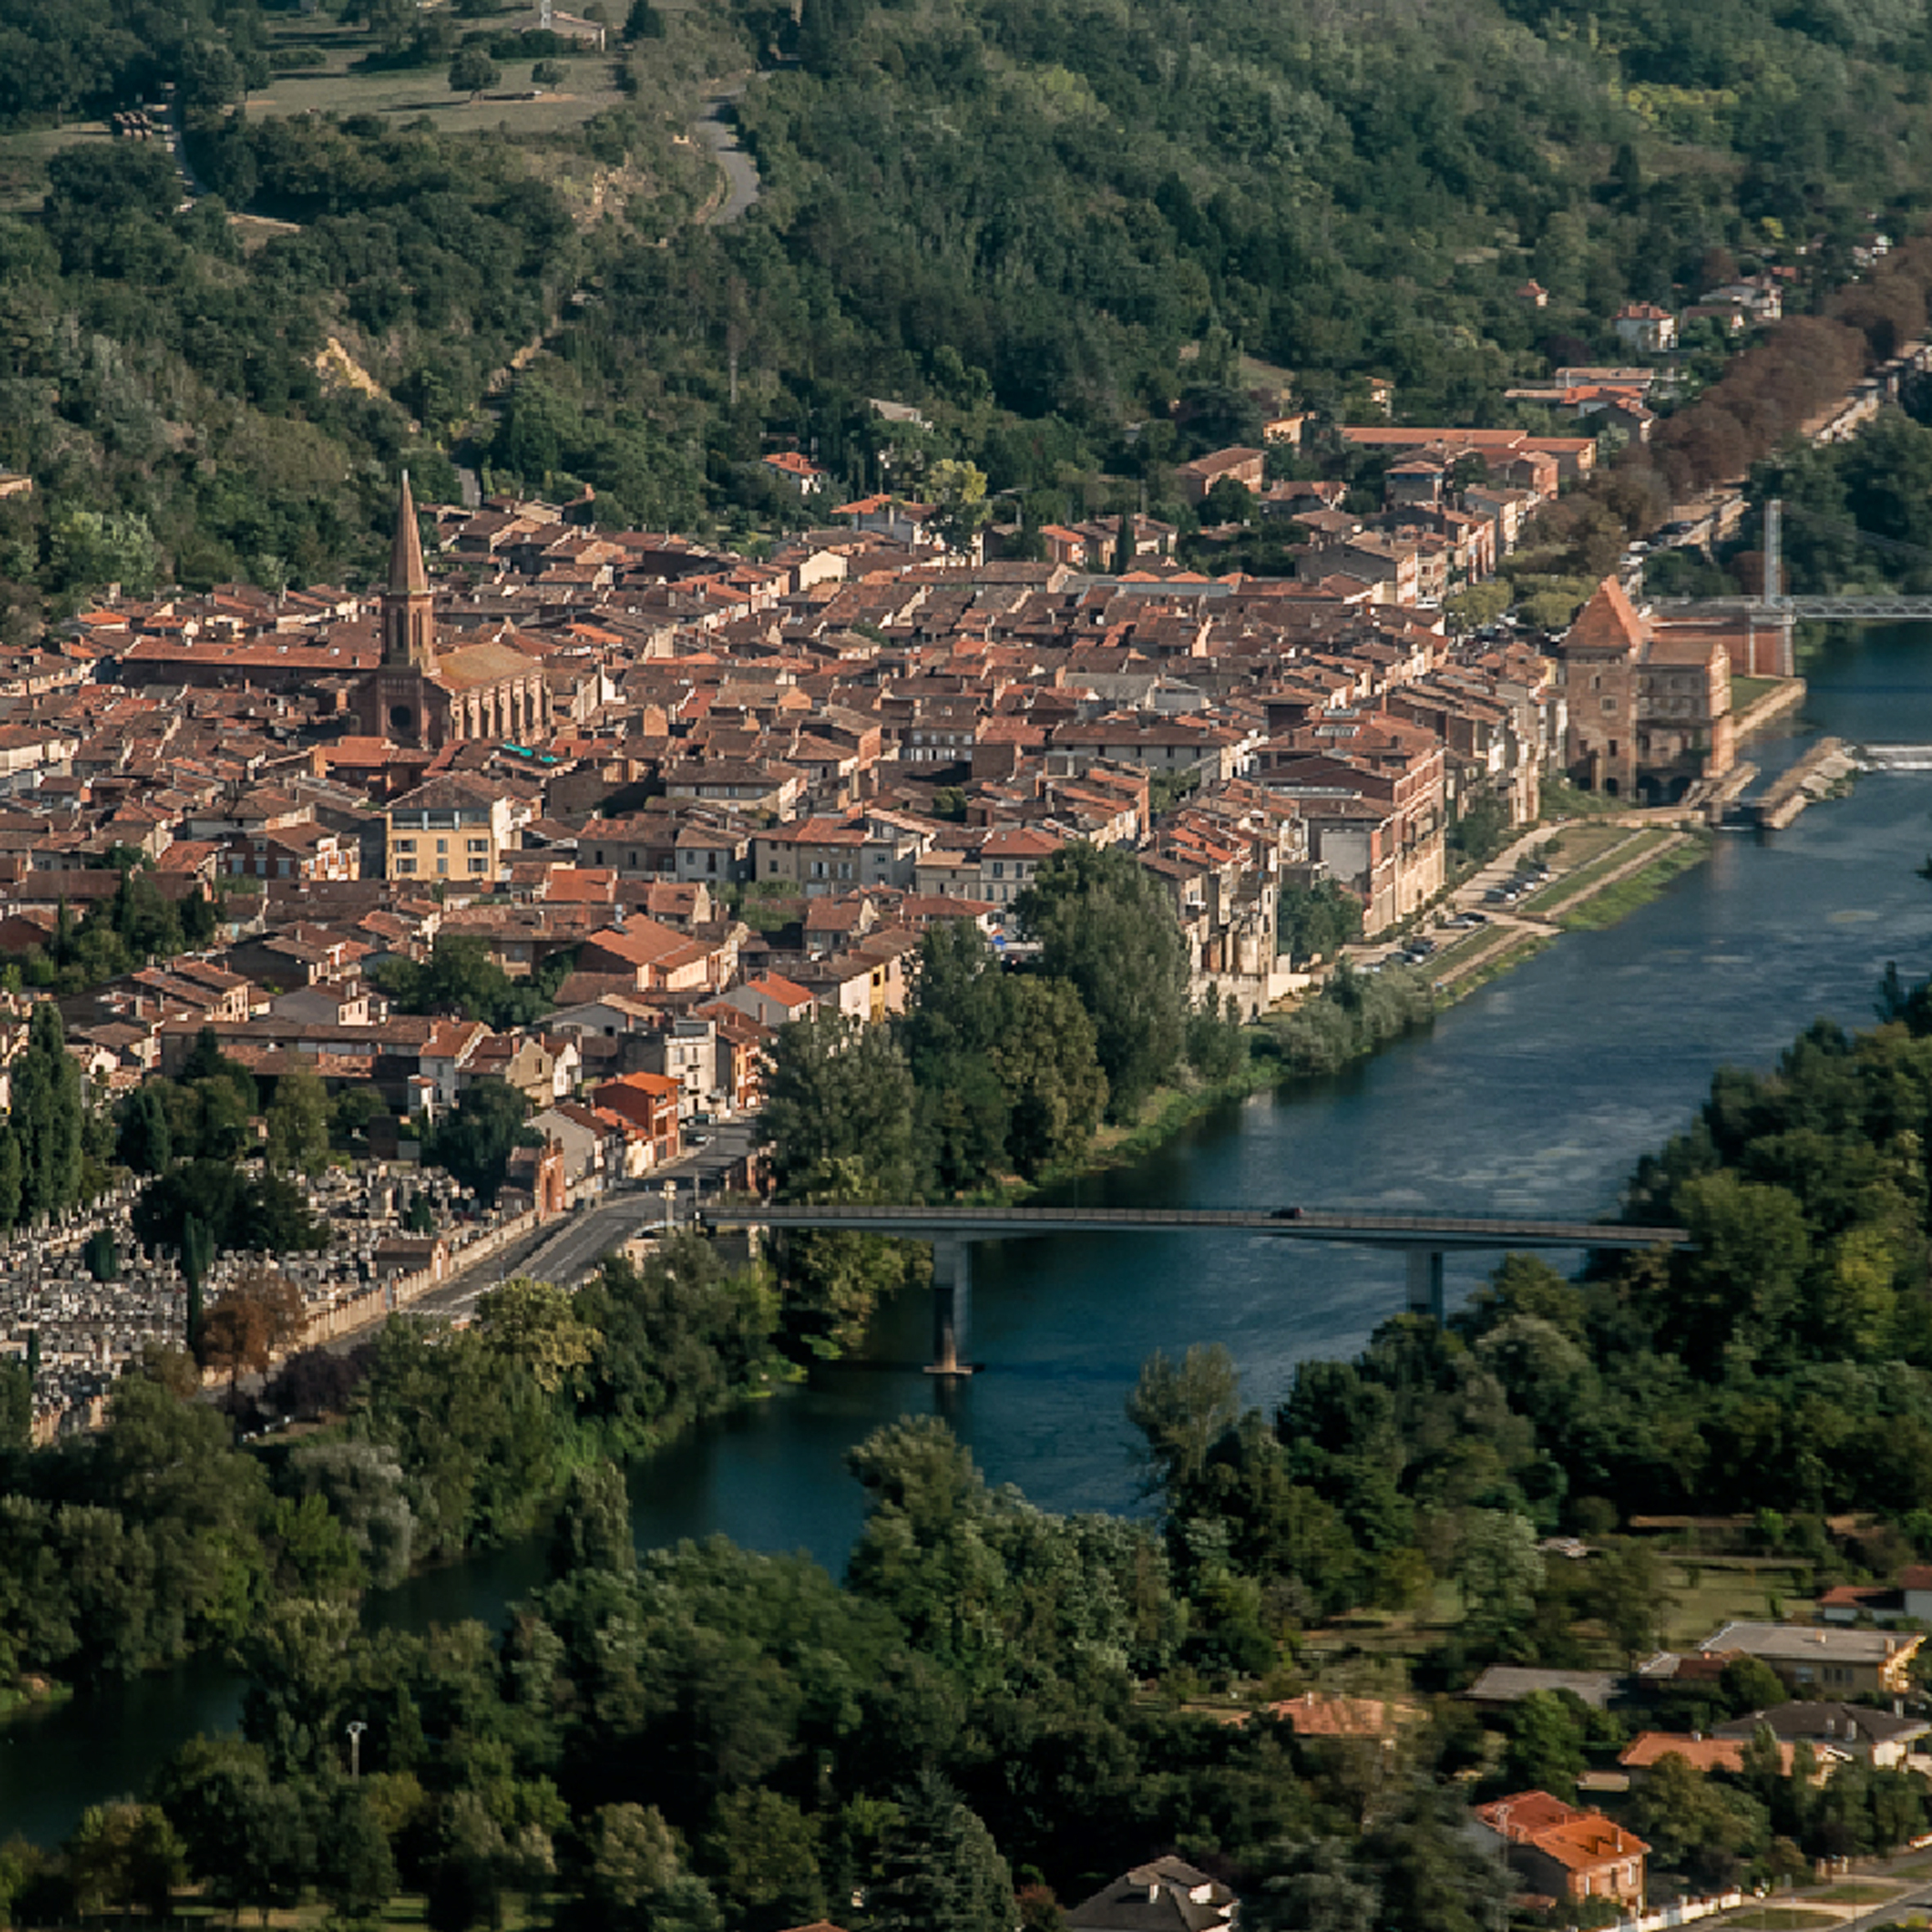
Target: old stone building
x: 1649, y: 707
x: 426, y: 697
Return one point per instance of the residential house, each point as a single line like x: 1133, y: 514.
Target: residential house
x: 1809, y: 1657
x: 454, y: 830
x: 771, y: 1000
x: 1646, y: 328
x: 1648, y: 1749
x: 1502, y: 1686
x: 1883, y: 1739
x: 1164, y: 1895
x: 1247, y: 467
x: 797, y: 475
x: 1566, y: 1854
x: 652, y: 1103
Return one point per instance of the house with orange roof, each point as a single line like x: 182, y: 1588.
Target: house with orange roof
x: 1648, y: 1749
x: 650, y: 1102
x: 657, y: 958
x: 772, y: 999
x: 799, y: 475
x: 1563, y: 1853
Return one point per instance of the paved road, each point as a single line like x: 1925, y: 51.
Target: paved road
x: 741, y: 172
x: 567, y: 1250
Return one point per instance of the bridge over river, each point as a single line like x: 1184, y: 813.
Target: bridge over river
x: 1425, y: 1239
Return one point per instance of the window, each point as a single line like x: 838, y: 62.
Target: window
x: 441, y: 846
x: 1610, y: 704
x: 442, y: 864
x: 406, y: 865
x: 406, y: 845
x: 476, y: 845
x: 480, y: 865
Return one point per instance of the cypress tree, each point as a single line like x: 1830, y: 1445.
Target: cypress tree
x: 197, y: 1250
x: 48, y: 1116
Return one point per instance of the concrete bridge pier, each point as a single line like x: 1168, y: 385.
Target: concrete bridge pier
x: 1425, y: 1282
x: 952, y: 1305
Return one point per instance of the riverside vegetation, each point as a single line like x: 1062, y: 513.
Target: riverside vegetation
x: 996, y: 1696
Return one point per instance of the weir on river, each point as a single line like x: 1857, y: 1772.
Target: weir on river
x: 1534, y: 1097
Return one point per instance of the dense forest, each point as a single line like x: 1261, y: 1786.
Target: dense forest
x: 1064, y: 232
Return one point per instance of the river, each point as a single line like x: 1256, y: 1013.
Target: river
x: 1536, y: 1095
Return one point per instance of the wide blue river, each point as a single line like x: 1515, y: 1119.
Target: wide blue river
x: 1536, y: 1096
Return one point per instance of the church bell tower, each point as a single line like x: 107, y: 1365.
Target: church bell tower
x: 408, y: 606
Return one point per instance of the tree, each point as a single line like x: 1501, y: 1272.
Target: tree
x: 943, y: 1871
x: 958, y: 493
x: 1500, y: 1570
x: 1182, y: 1412
x: 1545, y: 1751
x: 472, y: 70
x: 359, y: 1870
x: 475, y: 1141
x: 1046, y: 1056
x: 764, y: 1850
x: 533, y: 1328
x: 1316, y: 921
x: 249, y: 1324
x: 125, y: 1857
x: 839, y: 1093
x: 637, y: 1876
x: 1631, y: 1599
x: 1481, y: 828
x: 593, y: 1527
x: 17, y: 1407
x: 47, y: 1116
x: 1106, y: 927
x: 146, y: 1142
x: 197, y: 1256
x: 298, y: 1123
x: 1228, y: 500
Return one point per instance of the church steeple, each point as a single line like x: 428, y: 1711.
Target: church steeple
x: 408, y: 606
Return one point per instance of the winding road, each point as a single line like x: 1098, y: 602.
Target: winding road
x: 742, y: 187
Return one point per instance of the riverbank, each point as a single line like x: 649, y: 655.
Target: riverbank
x: 1614, y: 868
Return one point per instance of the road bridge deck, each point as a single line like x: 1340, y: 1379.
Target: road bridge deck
x: 1358, y: 1227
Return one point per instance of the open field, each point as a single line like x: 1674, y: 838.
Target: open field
x: 420, y: 92
x: 1716, y: 1596
x: 23, y: 157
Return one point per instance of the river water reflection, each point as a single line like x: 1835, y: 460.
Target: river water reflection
x: 1536, y: 1096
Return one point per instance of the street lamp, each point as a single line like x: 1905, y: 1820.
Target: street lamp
x: 356, y: 1728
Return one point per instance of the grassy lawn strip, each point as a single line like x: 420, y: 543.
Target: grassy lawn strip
x: 1630, y: 846
x: 1782, y: 1918
x: 1617, y: 901
x: 1863, y: 1894
x: 1746, y: 691
x: 1578, y: 846
x: 1504, y: 959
